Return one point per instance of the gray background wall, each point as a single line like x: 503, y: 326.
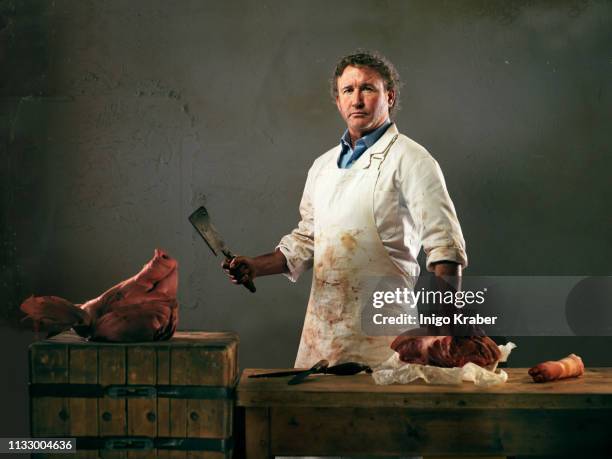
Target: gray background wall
x: 120, y: 117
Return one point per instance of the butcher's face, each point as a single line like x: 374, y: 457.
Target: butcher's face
x: 362, y: 100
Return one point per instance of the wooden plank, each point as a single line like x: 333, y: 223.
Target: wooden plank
x: 179, y: 368
x: 141, y: 412
x: 196, y: 415
x: 205, y: 359
x: 84, y: 411
x: 163, y: 404
x: 394, y: 431
x: 180, y: 338
x: 233, y: 366
x: 208, y: 418
x: 49, y: 415
x: 216, y: 455
x: 112, y: 418
x: 218, y: 351
x: 257, y: 433
x: 208, y: 339
x: 593, y: 390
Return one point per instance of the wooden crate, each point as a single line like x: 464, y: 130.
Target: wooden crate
x: 170, y: 399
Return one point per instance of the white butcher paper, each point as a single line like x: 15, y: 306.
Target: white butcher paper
x: 394, y: 371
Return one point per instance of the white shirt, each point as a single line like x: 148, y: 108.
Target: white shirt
x: 412, y: 209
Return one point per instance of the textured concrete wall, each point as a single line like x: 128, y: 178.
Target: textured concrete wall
x: 120, y: 117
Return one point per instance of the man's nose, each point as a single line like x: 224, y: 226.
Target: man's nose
x: 357, y: 99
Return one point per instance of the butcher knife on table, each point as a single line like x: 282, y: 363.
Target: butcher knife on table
x: 200, y: 219
x: 321, y: 367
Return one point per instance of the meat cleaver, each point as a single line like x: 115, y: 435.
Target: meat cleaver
x: 200, y: 219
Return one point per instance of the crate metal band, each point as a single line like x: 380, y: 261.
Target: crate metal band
x: 130, y: 391
x: 147, y: 443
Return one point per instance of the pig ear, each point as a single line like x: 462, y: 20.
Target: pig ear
x: 55, y: 314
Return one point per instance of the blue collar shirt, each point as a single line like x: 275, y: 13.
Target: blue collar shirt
x: 348, y: 155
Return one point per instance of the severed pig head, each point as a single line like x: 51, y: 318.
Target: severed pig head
x: 141, y: 308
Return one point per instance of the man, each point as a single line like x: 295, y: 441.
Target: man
x: 368, y: 206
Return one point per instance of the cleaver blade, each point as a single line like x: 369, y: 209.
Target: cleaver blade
x: 200, y: 219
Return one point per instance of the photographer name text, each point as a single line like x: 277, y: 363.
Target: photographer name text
x: 433, y: 319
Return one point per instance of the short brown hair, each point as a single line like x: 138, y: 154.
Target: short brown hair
x: 375, y: 61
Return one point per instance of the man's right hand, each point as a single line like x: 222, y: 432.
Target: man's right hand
x: 240, y: 269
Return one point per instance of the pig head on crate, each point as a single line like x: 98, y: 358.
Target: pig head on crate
x: 141, y: 308
x: 129, y: 390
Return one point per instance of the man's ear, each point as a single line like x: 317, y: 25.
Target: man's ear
x: 338, y: 104
x: 391, y: 97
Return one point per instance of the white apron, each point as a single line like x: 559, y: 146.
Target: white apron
x: 348, y: 253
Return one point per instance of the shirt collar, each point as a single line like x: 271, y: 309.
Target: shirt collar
x: 368, y: 139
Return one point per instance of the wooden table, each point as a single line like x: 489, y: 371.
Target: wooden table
x: 350, y: 415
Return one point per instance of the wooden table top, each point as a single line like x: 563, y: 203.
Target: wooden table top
x: 593, y: 390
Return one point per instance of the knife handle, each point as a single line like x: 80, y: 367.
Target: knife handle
x: 347, y: 369
x: 319, y: 367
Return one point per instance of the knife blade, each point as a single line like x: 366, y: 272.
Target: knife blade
x: 318, y: 367
x: 200, y: 219
x: 277, y: 374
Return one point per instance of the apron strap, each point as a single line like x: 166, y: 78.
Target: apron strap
x: 380, y: 157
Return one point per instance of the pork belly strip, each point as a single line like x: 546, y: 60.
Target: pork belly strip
x: 568, y: 367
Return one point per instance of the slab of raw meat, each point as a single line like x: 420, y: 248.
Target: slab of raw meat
x: 141, y: 308
x: 446, y: 351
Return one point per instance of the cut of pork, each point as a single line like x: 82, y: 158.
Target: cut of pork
x: 446, y: 351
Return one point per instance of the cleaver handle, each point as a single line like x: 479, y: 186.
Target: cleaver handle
x: 249, y: 284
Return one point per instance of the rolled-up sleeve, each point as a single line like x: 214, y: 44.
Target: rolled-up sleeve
x: 298, y: 246
x: 428, y: 200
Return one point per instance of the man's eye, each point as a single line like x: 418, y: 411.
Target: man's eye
x: 347, y: 90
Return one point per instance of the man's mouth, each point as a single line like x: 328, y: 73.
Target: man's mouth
x: 358, y: 114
